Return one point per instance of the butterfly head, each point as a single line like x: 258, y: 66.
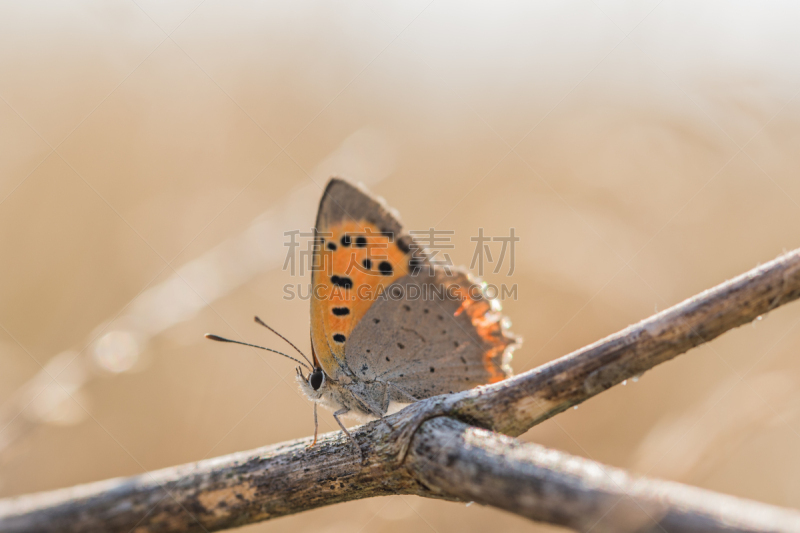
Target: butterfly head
x: 313, y: 385
x: 316, y: 379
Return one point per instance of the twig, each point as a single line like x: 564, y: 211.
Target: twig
x: 551, y: 486
x: 448, y: 459
x: 445, y: 458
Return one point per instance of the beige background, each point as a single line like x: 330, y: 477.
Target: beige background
x: 153, y: 153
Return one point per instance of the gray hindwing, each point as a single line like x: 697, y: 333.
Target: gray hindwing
x: 417, y: 341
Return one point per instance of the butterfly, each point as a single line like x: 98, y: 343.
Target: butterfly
x: 389, y: 326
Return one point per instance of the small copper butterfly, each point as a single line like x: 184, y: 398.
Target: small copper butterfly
x: 388, y: 325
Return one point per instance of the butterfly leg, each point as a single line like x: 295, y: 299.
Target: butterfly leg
x: 336, y: 415
x: 316, y: 425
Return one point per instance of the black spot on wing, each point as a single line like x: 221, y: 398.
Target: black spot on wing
x: 339, y: 338
x: 341, y: 311
x: 342, y: 281
x: 345, y: 240
x: 367, y: 263
x: 331, y: 246
x: 361, y: 242
x: 386, y: 268
x: 404, y: 243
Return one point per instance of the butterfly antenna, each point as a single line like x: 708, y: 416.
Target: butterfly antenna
x: 285, y: 339
x: 223, y: 339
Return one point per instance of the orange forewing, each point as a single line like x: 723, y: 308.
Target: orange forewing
x: 341, y: 281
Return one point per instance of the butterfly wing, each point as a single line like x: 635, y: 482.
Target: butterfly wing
x: 431, y: 333
x: 360, y: 249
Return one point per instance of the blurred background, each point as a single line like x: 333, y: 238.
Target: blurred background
x: 152, y: 155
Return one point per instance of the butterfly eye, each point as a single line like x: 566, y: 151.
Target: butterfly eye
x: 316, y: 379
